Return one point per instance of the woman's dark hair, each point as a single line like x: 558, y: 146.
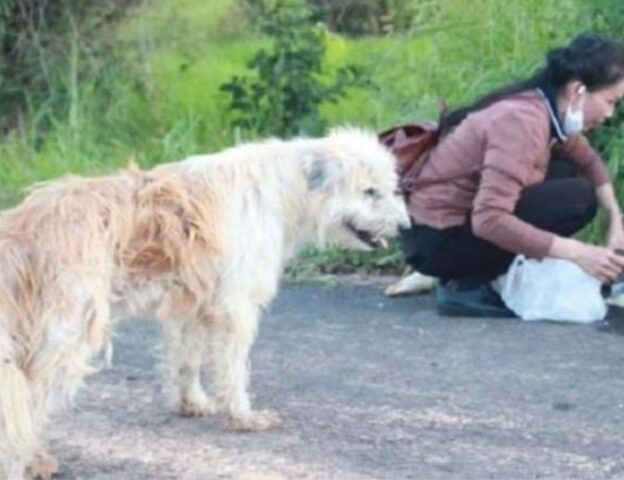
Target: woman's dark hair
x: 597, y: 61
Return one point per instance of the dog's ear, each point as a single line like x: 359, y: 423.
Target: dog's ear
x: 321, y: 171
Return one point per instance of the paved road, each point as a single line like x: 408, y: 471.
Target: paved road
x: 369, y: 388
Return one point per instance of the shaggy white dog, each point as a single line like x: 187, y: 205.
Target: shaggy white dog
x: 199, y: 244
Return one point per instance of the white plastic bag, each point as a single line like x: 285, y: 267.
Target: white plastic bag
x: 551, y: 289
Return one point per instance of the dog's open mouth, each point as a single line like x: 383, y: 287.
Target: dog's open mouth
x: 369, y: 238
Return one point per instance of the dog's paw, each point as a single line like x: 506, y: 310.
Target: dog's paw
x: 196, y: 408
x: 43, y: 466
x: 256, y: 421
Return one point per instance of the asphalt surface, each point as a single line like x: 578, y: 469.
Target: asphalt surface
x: 368, y: 388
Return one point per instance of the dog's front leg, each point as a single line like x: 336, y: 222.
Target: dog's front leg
x: 43, y: 466
x: 233, y: 340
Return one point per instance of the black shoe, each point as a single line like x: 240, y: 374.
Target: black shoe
x: 475, y: 301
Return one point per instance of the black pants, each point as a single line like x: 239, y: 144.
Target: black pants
x: 562, y: 204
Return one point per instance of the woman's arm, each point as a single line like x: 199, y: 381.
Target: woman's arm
x: 591, y: 165
x: 587, y: 160
x: 515, y: 140
x: 607, y: 200
x: 600, y: 262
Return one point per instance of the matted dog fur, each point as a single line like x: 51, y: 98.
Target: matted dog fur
x: 199, y: 244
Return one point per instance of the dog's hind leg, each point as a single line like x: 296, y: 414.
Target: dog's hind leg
x: 186, y: 340
x: 232, y: 340
x: 20, y: 418
x: 75, y: 331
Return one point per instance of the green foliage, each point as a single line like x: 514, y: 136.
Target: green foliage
x: 608, y: 17
x: 146, y: 85
x: 312, y: 262
x: 373, y: 17
x: 353, y: 17
x: 290, y: 83
x: 47, y: 49
x: 60, y: 81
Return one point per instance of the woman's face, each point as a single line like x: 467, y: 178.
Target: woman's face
x: 599, y: 105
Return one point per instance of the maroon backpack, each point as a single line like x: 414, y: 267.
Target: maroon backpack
x: 410, y: 143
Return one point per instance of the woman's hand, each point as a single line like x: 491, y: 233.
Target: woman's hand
x: 600, y: 262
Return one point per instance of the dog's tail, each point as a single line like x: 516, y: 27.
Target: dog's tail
x: 17, y: 424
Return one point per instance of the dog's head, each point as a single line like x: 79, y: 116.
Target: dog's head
x: 352, y: 181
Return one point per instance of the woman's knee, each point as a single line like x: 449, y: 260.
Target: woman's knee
x: 561, y: 206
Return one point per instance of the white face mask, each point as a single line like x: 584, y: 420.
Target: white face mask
x: 573, y: 121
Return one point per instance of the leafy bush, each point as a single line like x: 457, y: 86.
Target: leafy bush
x: 290, y: 82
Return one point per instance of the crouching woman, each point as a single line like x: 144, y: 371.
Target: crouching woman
x: 514, y: 174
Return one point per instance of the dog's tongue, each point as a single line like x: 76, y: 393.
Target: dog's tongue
x: 383, y: 242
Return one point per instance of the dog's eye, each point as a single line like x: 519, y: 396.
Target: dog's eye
x: 372, y: 192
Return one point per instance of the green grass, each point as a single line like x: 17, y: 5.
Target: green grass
x: 157, y: 98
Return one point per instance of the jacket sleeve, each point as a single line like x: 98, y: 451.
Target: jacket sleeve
x: 589, y: 162
x: 513, y: 145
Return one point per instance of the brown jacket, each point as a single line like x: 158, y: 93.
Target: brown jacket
x: 478, y: 170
